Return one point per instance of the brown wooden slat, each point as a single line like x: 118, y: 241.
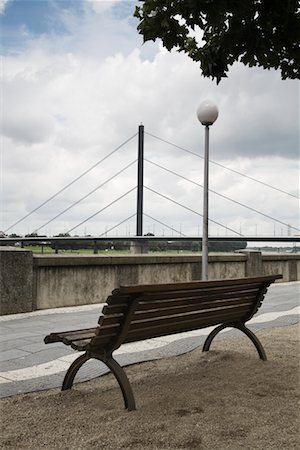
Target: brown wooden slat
x: 50, y: 338
x: 159, y: 308
x: 180, y: 327
x: 115, y: 309
x: 118, y: 299
x: 194, y: 284
x: 110, y: 319
x: 164, y: 309
x: 119, y: 303
x: 173, y: 297
x: 101, y: 341
x: 80, y: 345
x: 183, y: 308
x: 144, y: 304
x: 59, y: 336
x: 67, y: 339
x: 108, y: 329
x: 187, y: 317
x: 105, y: 334
x: 181, y: 293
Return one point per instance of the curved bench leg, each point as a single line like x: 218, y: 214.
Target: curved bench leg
x: 244, y: 329
x: 115, y: 368
x: 72, y: 371
x: 254, y: 339
x: 123, y: 381
x: 211, y: 336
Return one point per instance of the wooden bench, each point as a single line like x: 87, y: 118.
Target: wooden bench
x: 134, y: 313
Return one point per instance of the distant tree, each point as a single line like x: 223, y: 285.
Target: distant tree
x: 14, y: 235
x: 34, y: 234
x: 226, y: 246
x: 262, y: 33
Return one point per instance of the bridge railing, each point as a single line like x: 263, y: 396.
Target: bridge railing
x: 96, y: 243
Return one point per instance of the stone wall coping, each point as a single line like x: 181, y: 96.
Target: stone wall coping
x: 96, y: 260
x: 281, y: 257
x: 7, y: 248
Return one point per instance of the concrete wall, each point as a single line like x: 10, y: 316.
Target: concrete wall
x: 288, y: 265
x: 16, y: 280
x: 30, y: 282
x: 77, y: 280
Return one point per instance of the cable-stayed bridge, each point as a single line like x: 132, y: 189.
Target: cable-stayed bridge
x: 140, y: 211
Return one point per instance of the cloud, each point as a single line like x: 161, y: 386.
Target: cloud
x: 101, y: 6
x: 3, y: 4
x: 25, y: 118
x: 71, y: 99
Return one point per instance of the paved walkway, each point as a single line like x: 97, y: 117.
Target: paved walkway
x: 27, y: 364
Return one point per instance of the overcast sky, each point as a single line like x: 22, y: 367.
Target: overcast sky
x: 77, y: 82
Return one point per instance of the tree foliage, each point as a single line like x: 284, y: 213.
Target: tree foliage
x: 216, y: 33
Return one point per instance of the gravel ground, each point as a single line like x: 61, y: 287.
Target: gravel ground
x: 224, y: 399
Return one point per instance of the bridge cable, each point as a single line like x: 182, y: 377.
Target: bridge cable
x: 72, y: 182
x: 165, y: 225
x: 102, y: 209
x: 120, y: 223
x: 221, y: 195
x: 192, y: 210
x: 87, y: 195
x: 225, y: 167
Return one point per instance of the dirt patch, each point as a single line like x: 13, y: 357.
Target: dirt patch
x: 223, y: 399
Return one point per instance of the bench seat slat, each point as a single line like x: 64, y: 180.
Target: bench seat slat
x: 67, y: 339
x: 59, y: 336
x: 82, y: 342
x: 80, y: 345
x: 70, y: 336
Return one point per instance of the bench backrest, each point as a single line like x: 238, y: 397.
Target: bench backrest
x: 135, y: 313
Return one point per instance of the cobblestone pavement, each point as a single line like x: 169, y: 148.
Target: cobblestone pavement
x: 27, y: 364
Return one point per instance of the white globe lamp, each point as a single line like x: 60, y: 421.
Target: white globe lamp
x: 207, y: 112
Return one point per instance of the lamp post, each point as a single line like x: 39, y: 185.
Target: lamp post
x: 207, y: 114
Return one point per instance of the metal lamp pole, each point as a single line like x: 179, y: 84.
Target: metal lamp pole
x: 207, y: 114
x: 140, y: 183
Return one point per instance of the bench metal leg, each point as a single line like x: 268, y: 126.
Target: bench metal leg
x: 123, y: 381
x: 211, y: 336
x: 244, y: 329
x: 255, y: 341
x: 73, y: 369
x: 115, y: 368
